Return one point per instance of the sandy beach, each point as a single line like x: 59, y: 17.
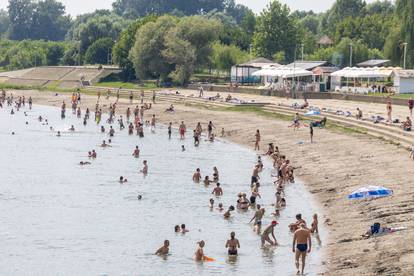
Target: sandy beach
x: 332, y: 167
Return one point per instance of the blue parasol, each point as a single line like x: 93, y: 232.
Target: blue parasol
x: 370, y: 192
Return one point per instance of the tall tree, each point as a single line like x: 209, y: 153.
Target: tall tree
x: 276, y: 31
x: 20, y: 15
x: 4, y: 22
x: 405, y: 11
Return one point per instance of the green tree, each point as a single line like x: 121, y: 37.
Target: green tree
x: 95, y: 27
x: 49, y: 21
x: 99, y: 52
x: 225, y: 56
x: 124, y: 45
x: 405, y: 11
x: 341, y: 10
x: 20, y: 17
x: 72, y: 56
x: 276, y: 31
x: 54, y: 52
x: 146, y: 55
x: 4, y: 23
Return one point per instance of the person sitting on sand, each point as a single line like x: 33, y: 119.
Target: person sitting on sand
x: 170, y: 109
x: 122, y: 180
x: 270, y: 230
x: 228, y: 98
x: 183, y: 229
x: 232, y: 244
x: 228, y: 212
x: 295, y: 226
x: 164, y: 250
x: 407, y: 125
x: 199, y: 254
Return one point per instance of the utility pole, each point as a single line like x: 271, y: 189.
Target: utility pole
x: 303, y: 46
x: 350, y: 55
x: 405, y: 53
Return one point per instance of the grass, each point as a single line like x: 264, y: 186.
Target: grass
x: 128, y: 85
x: 396, y: 96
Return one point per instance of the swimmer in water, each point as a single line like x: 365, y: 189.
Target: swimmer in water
x: 182, y: 148
x: 104, y: 144
x: 122, y: 180
x: 83, y: 163
x: 177, y: 229
x: 227, y: 214
x: 218, y: 191
x: 94, y: 155
x: 145, y: 168
x: 232, y: 244
x: 58, y: 134
x: 102, y: 129
x: 220, y: 207
x: 207, y: 181
x: 211, y: 204
x: 199, y: 254
x: 183, y: 229
x: 197, y: 176
x: 136, y: 152
x: 164, y: 250
x: 72, y: 128
x: 270, y: 230
x: 139, y: 197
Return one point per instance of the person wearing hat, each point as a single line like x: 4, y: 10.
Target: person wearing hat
x: 270, y: 230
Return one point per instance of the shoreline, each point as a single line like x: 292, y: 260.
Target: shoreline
x: 326, y: 176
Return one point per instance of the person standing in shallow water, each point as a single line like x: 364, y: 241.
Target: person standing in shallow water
x: 182, y: 131
x: 232, y: 244
x: 257, y: 143
x: 169, y: 130
x: 302, y: 245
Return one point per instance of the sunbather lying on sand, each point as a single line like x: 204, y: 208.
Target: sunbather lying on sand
x: 377, y: 230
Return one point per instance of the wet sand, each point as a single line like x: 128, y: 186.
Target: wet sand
x: 334, y: 166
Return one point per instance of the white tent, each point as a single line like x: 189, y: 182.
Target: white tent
x: 282, y: 72
x: 357, y: 72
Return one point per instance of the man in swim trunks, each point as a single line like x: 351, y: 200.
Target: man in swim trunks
x: 255, y: 176
x: 295, y: 226
x: 258, y: 216
x: 164, y: 249
x: 302, y: 245
x: 270, y: 230
x: 136, y: 152
x: 232, y: 244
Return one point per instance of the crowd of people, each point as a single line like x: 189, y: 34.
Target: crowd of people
x: 134, y: 124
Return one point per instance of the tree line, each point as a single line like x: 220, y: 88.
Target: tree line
x: 172, y: 39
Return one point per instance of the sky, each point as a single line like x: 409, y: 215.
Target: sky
x: 75, y: 7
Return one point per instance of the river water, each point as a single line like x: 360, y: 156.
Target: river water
x: 58, y: 218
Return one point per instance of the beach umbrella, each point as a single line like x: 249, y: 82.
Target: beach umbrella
x: 313, y: 113
x: 370, y: 192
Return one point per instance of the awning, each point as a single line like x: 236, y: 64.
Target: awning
x: 356, y: 72
x: 283, y: 72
